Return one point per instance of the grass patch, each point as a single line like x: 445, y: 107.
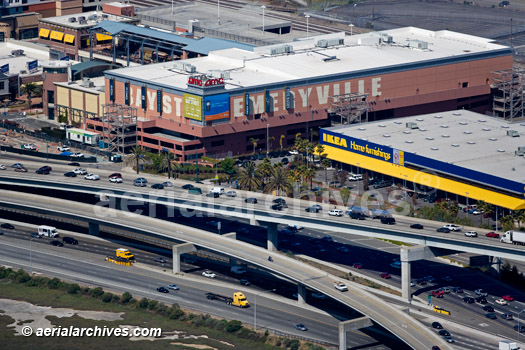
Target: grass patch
x: 398, y: 243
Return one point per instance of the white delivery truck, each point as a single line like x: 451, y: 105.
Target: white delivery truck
x: 508, y: 345
x: 47, y: 231
x: 514, y: 237
x: 219, y: 190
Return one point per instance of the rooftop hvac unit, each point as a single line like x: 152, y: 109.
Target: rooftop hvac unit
x: 17, y: 52
x: 92, y: 17
x: 322, y: 43
x: 87, y: 83
x: 82, y: 21
x: 218, y: 74
x: 189, y: 68
x: 387, y: 38
x: 178, y: 66
x: 418, y: 44
x: 412, y: 125
x: 104, y: 15
x: 329, y: 42
x: 279, y: 50
x: 81, y: 18
x: 72, y: 19
x: 513, y: 133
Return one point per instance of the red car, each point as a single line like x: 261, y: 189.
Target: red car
x: 438, y: 294
x: 508, y: 298
x: 492, y: 234
x: 116, y: 175
x: 385, y: 275
x: 357, y: 266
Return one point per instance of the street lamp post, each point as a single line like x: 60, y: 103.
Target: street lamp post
x: 218, y: 11
x: 255, y: 307
x: 307, y: 17
x: 263, y: 7
x: 171, y: 7
x: 351, y: 29
x: 267, y: 140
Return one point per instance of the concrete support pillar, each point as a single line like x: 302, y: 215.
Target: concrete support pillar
x: 94, y: 229
x: 406, y: 292
x: 351, y: 325
x: 272, y: 236
x: 179, y: 249
x: 301, y: 294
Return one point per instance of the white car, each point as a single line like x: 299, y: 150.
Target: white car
x: 452, y: 227
x: 92, y: 177
x: 30, y: 146
x: 471, y: 234
x: 209, y: 274
x: 355, y: 177
x: 335, y: 212
x: 231, y: 194
x: 501, y: 302
x: 80, y: 171
x: 63, y: 149
x: 2, y: 167
x: 294, y: 152
x: 173, y: 286
x: 340, y: 286
x: 77, y: 155
x: 115, y: 179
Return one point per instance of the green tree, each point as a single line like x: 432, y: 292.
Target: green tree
x: 345, y: 195
x: 343, y: 176
x: 308, y: 175
x: 279, y: 182
x: 269, y: 141
x: 265, y: 169
x: 313, y: 132
x: 507, y: 222
x: 136, y: 156
x: 165, y: 163
x: 325, y: 163
x: 32, y: 90
x: 227, y: 165
x: 254, y: 143
x: 281, y: 138
x: 249, y: 178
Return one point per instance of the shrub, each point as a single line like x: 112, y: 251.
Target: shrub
x: 210, y: 323
x: 221, y: 325
x: 153, y: 304
x: 54, y: 283
x: 115, y: 298
x: 143, y: 303
x: 233, y: 326
x: 22, y: 276
x: 96, y: 292
x: 126, y: 297
x: 175, y: 314
x: 73, y: 288
x: 106, y: 297
x: 162, y: 309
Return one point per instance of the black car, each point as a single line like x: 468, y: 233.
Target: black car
x: 356, y: 215
x: 187, y: 186
x: 491, y: 315
x: 481, y: 300
x: 388, y: 220
x: 443, y: 229
x: 74, y: 164
x: 312, y: 209
x: 251, y: 200
x: 46, y: 167
x: 285, y: 161
x: 56, y: 243
x: 42, y: 171
x: 69, y: 240
x: 488, y: 308
x: 457, y: 290
x: 163, y: 290
x: 421, y: 281
x: 444, y: 332
x: 70, y: 174
x: 280, y: 201
x: 245, y: 282
x: 519, y: 328
x: 437, y: 325
x: 157, y: 186
x: 276, y: 207
x: 469, y: 300
x: 417, y: 226
x: 7, y: 226
x: 507, y: 317
x: 213, y: 195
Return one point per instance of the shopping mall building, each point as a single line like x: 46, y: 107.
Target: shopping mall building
x: 226, y: 102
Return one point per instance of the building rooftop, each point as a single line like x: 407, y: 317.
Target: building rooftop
x: 370, y: 53
x: 91, y: 18
x: 96, y: 86
x: 462, y: 138
x: 18, y: 63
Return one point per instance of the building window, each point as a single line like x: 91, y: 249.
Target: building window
x: 2, y: 85
x: 217, y: 143
x: 465, y: 84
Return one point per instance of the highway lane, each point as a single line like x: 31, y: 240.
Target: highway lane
x: 273, y: 311
x: 395, y: 321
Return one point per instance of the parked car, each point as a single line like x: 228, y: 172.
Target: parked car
x: 335, y: 212
x: 355, y: 177
x: 417, y: 226
x: 162, y: 290
x: 284, y: 161
x: 382, y: 184
x: 92, y: 177
x: 492, y: 234
x: 231, y: 194
x: 77, y: 155
x: 69, y: 240
x: 30, y: 146
x: 251, y: 200
x: 115, y: 180
x: 63, y: 149
x: 70, y: 174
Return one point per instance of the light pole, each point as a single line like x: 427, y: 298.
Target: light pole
x: 218, y: 11
x: 31, y: 255
x: 171, y: 7
x: 405, y: 181
x: 351, y: 29
x: 255, y: 307
x: 466, y: 193
x: 267, y: 140
x: 519, y: 329
x: 307, y: 16
x: 263, y: 7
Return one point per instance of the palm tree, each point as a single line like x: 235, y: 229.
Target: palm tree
x: 325, y: 163
x: 32, y: 90
x: 249, y: 178
x: 265, y: 169
x: 308, y: 175
x: 165, y: 163
x: 312, y: 133
x: 254, y: 143
x: 484, y: 208
x: 281, y: 141
x: 137, y: 155
x: 269, y: 142
x: 279, y: 182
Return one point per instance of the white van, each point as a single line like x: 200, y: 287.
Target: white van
x: 47, y: 231
x: 219, y: 190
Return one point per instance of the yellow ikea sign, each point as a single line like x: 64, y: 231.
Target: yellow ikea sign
x: 339, y: 141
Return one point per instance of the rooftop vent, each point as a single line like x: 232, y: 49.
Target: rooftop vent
x: 386, y: 135
x: 361, y: 129
x: 189, y: 68
x: 467, y: 132
x: 81, y: 18
x: 82, y: 21
x: 17, y: 53
x: 456, y: 113
x: 493, y: 139
x: 409, y: 141
x: 520, y: 151
x: 429, y: 138
x: 513, y: 133
x: 455, y: 145
x: 105, y: 15
x: 87, y: 83
x: 444, y: 126
x: 92, y: 17
x: 397, y: 122
x: 72, y: 19
x: 481, y: 120
x: 419, y: 119
x: 486, y: 129
x: 406, y: 132
x: 438, y: 116
x: 462, y: 123
x: 434, y: 148
x: 445, y: 135
x: 505, y: 126
x: 411, y: 125
x: 471, y: 142
x: 382, y: 125
x: 500, y: 150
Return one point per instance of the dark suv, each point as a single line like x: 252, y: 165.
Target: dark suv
x: 387, y: 220
x: 69, y: 240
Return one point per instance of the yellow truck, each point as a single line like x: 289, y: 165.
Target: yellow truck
x: 238, y: 299
x: 125, y: 254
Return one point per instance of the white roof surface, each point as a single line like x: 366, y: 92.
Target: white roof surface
x: 463, y: 138
x: 19, y: 63
x: 64, y: 20
x: 359, y: 52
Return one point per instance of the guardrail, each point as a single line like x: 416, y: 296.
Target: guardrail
x: 48, y: 155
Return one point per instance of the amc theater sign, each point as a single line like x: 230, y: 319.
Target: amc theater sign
x: 203, y: 81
